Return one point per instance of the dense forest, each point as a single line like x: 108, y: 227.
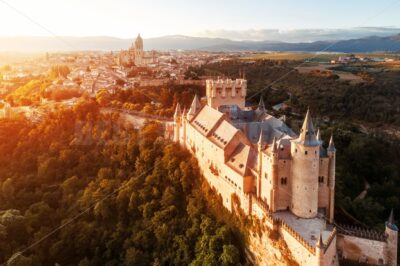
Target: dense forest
x: 363, y: 159
x: 152, y: 100
x: 118, y: 196
x: 376, y: 101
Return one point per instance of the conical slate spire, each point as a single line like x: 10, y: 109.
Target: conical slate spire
x: 178, y: 112
x: 183, y: 112
x: 390, y: 223
x: 307, y: 133
x: 195, y: 107
x: 260, y: 140
x: 331, y: 146
x: 320, y: 243
x: 391, y: 217
x: 318, y: 135
x: 261, y: 105
x: 274, y: 147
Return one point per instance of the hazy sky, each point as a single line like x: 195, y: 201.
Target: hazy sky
x: 125, y: 18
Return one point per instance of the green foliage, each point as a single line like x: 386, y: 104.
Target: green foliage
x: 366, y: 161
x: 155, y: 100
x: 28, y: 93
x: 375, y: 101
x: 59, y: 71
x: 154, y: 209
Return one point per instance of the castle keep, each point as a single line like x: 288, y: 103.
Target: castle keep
x: 258, y: 164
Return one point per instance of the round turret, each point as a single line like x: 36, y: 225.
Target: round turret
x: 304, y: 171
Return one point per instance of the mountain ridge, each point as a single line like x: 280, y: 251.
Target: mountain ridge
x: 184, y: 42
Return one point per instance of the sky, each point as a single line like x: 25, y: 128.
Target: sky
x: 235, y: 19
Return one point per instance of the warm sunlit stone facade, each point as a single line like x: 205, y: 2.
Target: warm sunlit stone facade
x: 258, y: 164
x: 136, y: 55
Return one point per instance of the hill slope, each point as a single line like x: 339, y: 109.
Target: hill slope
x: 41, y: 44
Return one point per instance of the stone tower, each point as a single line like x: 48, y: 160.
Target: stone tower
x: 305, y: 170
x: 260, y: 162
x: 226, y: 92
x: 392, y: 233
x: 274, y: 175
x: 331, y: 178
x: 139, y: 51
x: 183, y: 124
x: 177, y: 123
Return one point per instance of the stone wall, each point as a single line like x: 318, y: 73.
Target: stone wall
x: 361, y: 249
x: 303, y: 253
x: 330, y: 253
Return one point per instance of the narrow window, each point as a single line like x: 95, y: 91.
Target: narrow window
x: 305, y: 152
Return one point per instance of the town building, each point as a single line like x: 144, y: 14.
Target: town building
x: 258, y: 165
x: 136, y: 55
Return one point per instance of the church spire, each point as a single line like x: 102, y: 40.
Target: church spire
x: 307, y: 133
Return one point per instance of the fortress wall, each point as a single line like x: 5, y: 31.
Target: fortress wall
x: 257, y: 210
x: 221, y: 177
x: 303, y: 256
x: 330, y: 257
x: 164, y: 82
x: 357, y: 248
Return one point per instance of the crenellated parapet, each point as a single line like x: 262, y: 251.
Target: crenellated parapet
x: 356, y: 231
x: 295, y: 235
x: 330, y: 239
x: 226, y: 92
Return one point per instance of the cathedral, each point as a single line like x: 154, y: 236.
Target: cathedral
x: 258, y: 165
x: 136, y: 55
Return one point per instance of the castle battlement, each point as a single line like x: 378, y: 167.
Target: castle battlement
x: 361, y: 232
x: 259, y: 166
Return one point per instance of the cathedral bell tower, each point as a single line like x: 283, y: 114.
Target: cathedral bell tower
x: 139, y: 54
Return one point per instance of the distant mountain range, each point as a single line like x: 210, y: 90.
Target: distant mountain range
x: 175, y: 42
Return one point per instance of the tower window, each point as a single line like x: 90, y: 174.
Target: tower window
x: 320, y: 179
x: 266, y: 176
x: 306, y: 152
x: 283, y: 180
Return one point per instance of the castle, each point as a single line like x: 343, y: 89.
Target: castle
x: 257, y: 164
x: 136, y: 55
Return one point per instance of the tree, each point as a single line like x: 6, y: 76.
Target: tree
x: 103, y: 97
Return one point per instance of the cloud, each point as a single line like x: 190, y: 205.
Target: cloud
x: 299, y: 35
